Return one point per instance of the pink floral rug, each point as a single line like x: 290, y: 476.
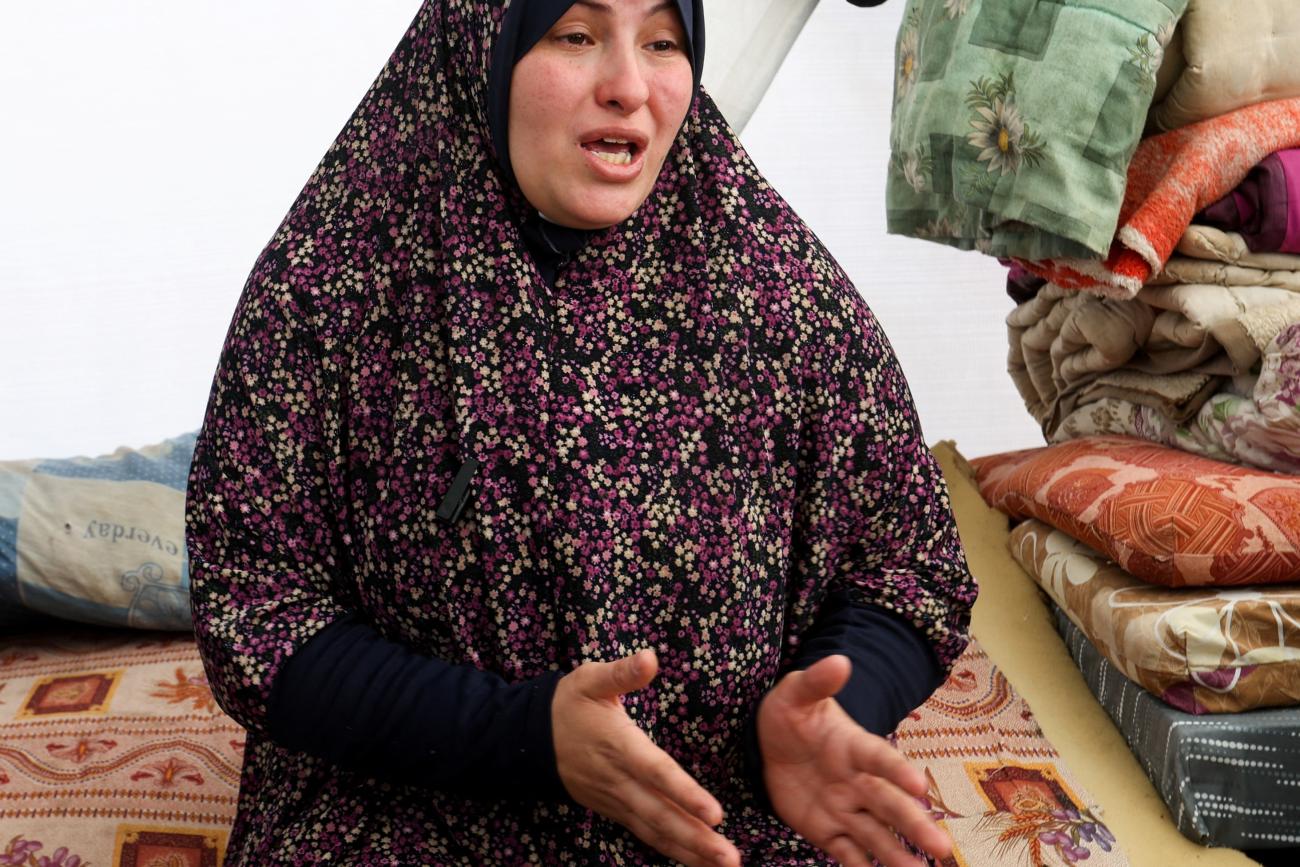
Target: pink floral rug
x: 113, y: 754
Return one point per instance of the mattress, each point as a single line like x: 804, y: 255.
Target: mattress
x: 114, y: 753
x: 1228, y: 779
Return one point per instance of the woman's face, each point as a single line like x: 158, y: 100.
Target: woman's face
x: 595, y: 106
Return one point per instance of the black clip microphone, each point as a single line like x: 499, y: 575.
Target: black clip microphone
x: 459, y: 492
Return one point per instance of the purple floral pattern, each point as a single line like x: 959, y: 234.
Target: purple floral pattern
x: 686, y: 443
x: 23, y: 853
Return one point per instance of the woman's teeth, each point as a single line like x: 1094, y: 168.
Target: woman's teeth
x: 613, y: 150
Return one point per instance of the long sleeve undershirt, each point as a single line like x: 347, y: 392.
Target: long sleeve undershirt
x: 371, y: 705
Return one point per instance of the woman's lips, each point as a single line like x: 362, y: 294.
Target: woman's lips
x: 613, y: 158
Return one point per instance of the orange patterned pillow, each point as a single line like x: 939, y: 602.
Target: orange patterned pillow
x: 1166, y: 516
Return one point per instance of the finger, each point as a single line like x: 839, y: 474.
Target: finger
x: 657, y: 769
x: 612, y: 679
x: 891, y: 807
x: 819, y: 681
x: 673, y: 831
x: 869, y: 834
x: 847, y: 853
x: 927, y: 835
x: 875, y: 756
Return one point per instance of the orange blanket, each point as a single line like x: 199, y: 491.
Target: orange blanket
x: 1171, y: 177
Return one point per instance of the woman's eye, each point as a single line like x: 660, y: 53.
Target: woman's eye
x: 575, y: 39
x: 663, y: 45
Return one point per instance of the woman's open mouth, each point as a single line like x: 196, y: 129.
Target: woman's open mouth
x: 616, y: 151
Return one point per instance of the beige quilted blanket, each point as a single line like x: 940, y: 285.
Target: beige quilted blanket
x: 1230, y: 54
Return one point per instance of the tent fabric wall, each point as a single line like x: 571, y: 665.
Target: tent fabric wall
x: 747, y: 42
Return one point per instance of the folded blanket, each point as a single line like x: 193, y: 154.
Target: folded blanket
x: 1209, y: 327
x: 1168, y: 349
x: 1215, y: 245
x: 1184, y: 269
x: 1171, y: 177
x: 1176, y: 395
x: 1226, y: 780
x: 1233, y: 53
x: 1265, y: 207
x: 1061, y: 340
x: 986, y: 152
x: 1257, y: 423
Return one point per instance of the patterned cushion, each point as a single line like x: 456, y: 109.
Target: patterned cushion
x: 1162, y: 514
x: 98, y: 540
x: 1202, y: 650
x: 112, y: 752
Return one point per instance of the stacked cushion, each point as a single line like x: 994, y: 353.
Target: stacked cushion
x: 1165, y: 516
x: 97, y: 540
x: 1227, y: 779
x: 1200, y: 649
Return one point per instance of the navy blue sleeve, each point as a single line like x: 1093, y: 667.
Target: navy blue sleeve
x: 374, y: 706
x: 894, y: 669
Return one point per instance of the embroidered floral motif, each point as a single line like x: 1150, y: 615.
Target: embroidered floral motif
x: 186, y: 688
x: 1005, y: 140
x: 1068, y: 831
x: 915, y: 166
x: 933, y: 800
x: 81, y: 750
x: 939, y: 227
x: 909, y: 42
x: 22, y: 853
x: 1146, y: 55
x: 169, y: 773
x: 955, y: 8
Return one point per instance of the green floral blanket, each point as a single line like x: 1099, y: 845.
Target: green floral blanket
x: 1014, y: 120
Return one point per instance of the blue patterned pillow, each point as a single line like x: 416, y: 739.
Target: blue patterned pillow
x: 99, y: 540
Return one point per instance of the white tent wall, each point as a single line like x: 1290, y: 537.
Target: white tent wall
x: 151, y: 147
x: 821, y: 136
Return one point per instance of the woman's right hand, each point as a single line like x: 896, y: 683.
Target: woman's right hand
x: 609, y: 765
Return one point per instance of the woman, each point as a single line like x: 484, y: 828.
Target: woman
x: 555, y: 478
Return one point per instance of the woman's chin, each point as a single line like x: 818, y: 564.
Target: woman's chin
x: 596, y: 206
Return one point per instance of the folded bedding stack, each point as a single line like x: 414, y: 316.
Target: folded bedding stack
x: 1137, y: 165
x: 1182, y: 573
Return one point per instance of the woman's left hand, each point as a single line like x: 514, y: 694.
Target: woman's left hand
x: 844, y: 789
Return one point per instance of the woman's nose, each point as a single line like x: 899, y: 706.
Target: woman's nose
x: 624, y: 84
